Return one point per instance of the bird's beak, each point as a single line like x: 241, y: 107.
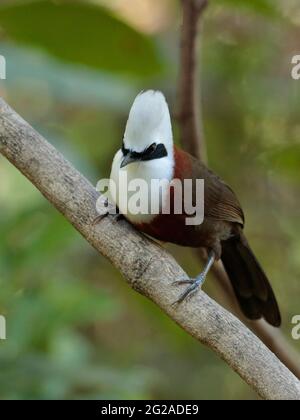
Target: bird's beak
x: 127, y: 160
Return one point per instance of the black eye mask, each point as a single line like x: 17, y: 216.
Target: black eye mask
x: 155, y: 151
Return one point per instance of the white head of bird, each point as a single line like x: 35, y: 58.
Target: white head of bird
x: 147, y: 150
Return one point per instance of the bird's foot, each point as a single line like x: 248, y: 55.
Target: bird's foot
x: 194, y: 285
x: 116, y: 218
x: 98, y: 219
x: 105, y: 212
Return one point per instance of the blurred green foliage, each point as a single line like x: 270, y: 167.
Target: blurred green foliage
x: 90, y: 34
x: 74, y: 329
x: 265, y: 7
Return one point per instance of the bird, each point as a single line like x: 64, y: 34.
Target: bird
x: 148, y: 152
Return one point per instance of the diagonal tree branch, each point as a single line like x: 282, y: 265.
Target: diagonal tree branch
x: 147, y: 267
x: 193, y: 140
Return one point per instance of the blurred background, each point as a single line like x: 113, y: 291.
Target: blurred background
x: 74, y: 328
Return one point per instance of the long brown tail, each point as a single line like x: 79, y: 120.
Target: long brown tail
x: 251, y: 286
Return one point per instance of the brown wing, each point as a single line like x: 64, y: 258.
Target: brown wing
x: 220, y: 202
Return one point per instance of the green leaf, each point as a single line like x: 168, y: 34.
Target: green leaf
x: 263, y: 7
x: 81, y: 33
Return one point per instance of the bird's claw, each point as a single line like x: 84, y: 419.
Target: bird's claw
x: 116, y: 218
x: 104, y: 212
x: 183, y: 281
x: 98, y: 219
x: 194, y: 285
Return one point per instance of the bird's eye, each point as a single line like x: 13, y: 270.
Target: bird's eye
x: 151, y: 148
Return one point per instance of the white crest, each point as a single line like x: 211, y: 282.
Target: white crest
x: 148, y: 122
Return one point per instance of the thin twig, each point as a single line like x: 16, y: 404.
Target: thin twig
x: 188, y: 115
x: 147, y: 267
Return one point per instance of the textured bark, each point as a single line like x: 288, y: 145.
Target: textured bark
x: 147, y: 267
